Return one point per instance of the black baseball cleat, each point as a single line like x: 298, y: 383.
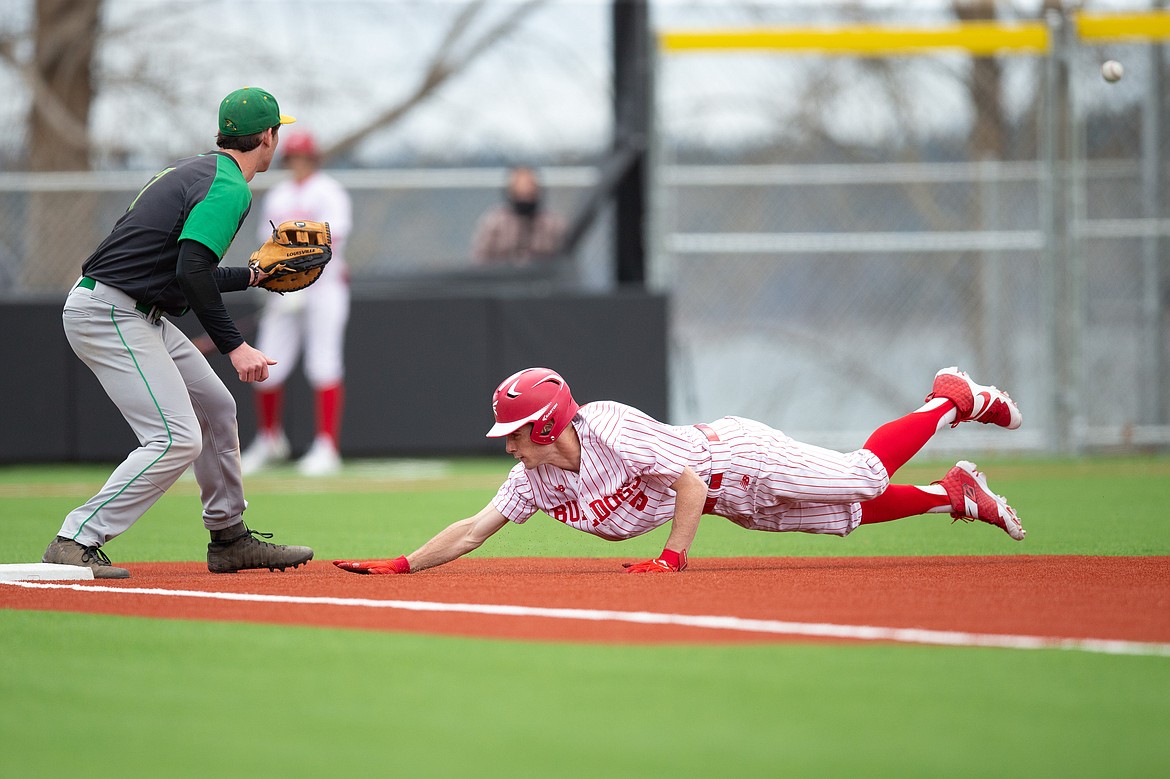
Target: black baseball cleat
x: 64, y: 551
x: 245, y: 551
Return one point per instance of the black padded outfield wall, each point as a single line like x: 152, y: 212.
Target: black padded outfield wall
x: 419, y: 373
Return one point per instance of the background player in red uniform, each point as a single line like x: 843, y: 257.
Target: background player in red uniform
x: 610, y: 470
x: 310, y: 323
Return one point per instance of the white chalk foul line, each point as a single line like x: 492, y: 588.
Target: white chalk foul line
x: 709, y: 622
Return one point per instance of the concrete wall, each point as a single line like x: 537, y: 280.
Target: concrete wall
x: 420, y: 372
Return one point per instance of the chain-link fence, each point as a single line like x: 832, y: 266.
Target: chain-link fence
x: 412, y: 227
x: 1000, y: 211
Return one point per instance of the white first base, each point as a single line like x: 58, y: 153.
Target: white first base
x: 52, y: 572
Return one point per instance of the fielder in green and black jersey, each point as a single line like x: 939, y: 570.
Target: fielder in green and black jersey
x: 163, y: 257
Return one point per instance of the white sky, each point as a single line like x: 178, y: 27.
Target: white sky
x: 545, y: 91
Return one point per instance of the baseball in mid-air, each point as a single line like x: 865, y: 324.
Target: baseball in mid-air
x: 1112, y: 71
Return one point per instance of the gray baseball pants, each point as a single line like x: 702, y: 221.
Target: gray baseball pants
x: 177, y: 406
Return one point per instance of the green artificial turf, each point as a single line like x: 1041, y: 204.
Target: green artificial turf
x: 1106, y: 507
x: 135, y: 697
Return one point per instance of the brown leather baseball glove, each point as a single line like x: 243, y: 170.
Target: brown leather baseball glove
x: 294, y: 256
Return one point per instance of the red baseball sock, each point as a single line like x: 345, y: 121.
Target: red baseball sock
x: 896, y: 442
x: 270, y: 408
x: 898, y: 501
x: 329, y: 401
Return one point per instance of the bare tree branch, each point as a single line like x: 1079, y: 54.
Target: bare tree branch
x: 443, y: 65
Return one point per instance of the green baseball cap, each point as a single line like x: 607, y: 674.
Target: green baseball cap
x: 250, y: 110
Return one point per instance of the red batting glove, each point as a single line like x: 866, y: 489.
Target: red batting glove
x: 379, y: 567
x: 669, y: 561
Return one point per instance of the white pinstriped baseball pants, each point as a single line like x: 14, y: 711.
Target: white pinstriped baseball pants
x: 773, y: 482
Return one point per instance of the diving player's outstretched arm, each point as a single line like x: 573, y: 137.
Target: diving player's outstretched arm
x: 452, y: 542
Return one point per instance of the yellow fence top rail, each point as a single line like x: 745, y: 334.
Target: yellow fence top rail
x: 1098, y: 27
x: 981, y: 38
x: 866, y: 40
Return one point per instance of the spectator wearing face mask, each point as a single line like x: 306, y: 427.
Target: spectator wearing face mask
x: 520, y: 231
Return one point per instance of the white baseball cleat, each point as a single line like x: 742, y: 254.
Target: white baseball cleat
x: 322, y: 458
x: 972, y: 499
x: 975, y: 402
x: 267, y: 449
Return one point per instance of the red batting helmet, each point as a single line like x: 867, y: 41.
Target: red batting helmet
x: 299, y: 142
x: 535, y: 395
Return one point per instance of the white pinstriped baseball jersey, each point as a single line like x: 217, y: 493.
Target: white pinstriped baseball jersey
x: 767, y: 481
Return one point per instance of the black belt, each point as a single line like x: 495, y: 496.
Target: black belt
x: 716, y: 478
x: 150, y: 311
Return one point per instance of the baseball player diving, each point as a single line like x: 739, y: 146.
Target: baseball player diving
x: 163, y: 257
x: 611, y: 470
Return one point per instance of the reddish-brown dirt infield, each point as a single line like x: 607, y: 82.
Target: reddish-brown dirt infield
x: 1117, y: 598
